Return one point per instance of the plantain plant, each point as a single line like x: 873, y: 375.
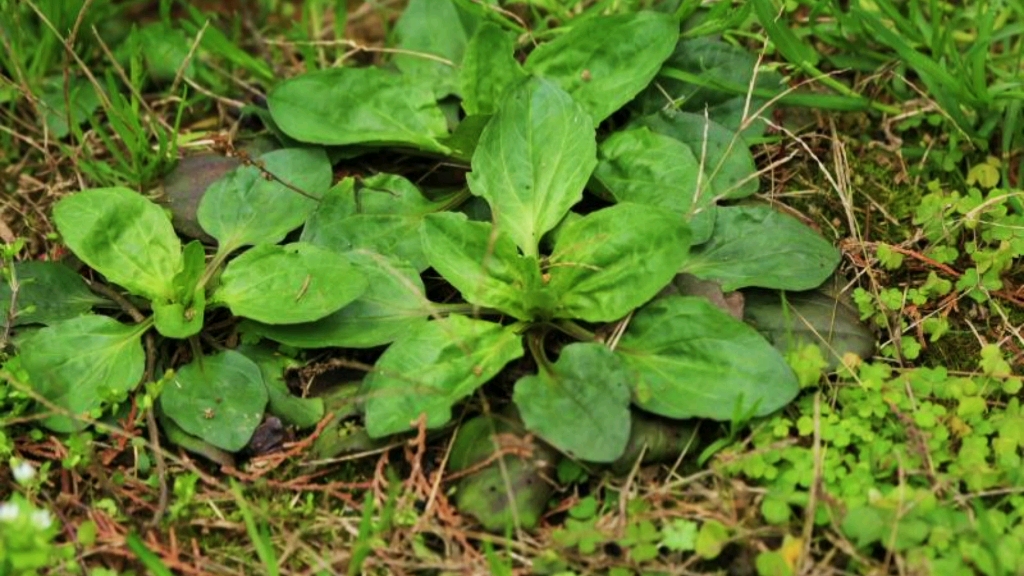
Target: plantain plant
x: 582, y: 207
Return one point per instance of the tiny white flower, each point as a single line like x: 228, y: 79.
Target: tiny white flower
x: 8, y: 512
x: 23, y: 471
x: 42, y: 519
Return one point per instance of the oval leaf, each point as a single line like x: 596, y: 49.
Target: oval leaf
x: 488, y: 70
x: 758, y: 246
x: 124, y: 236
x: 236, y: 210
x: 288, y: 284
x: 641, y: 166
x: 432, y: 368
x: 439, y: 28
x: 690, y: 359
x: 483, y: 265
x: 605, y: 61
x: 346, y: 105
x: 394, y: 306
x: 79, y: 364
x: 723, y: 153
x: 614, y: 260
x: 381, y: 214
x: 580, y: 405
x: 218, y: 398
x: 48, y: 292
x: 533, y: 160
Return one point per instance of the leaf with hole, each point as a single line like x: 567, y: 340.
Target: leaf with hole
x: 580, y: 404
x: 395, y: 304
x: 236, y: 210
x: 80, y: 364
x: 758, y: 246
x: 430, y: 369
x: 380, y: 214
x: 48, y: 292
x: 488, y: 70
x: 611, y: 261
x: 124, y: 236
x: 485, y: 265
x: 288, y: 284
x: 692, y: 360
x: 644, y: 167
x: 724, y: 155
x: 369, y: 106
x: 533, y: 160
x: 218, y: 398
x: 605, y: 61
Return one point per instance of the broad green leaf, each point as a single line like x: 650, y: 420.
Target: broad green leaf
x: 48, y: 292
x: 488, y: 70
x: 244, y: 208
x: 605, y: 61
x: 342, y: 106
x: 692, y: 360
x: 466, y: 136
x: 644, y: 167
x: 724, y: 154
x: 429, y: 31
x: 394, y: 305
x: 80, y: 364
x: 533, y: 160
x: 580, y: 404
x: 758, y: 246
x: 514, y: 488
x: 706, y: 73
x: 433, y: 367
x: 292, y: 410
x: 218, y: 398
x: 381, y: 214
x: 165, y: 48
x: 288, y: 284
x: 80, y: 94
x: 791, y: 320
x: 614, y: 260
x: 483, y: 264
x: 124, y: 236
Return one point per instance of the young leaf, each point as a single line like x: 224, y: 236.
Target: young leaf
x: 288, y: 284
x: 726, y: 159
x: 183, y: 317
x: 341, y: 106
x: 236, y: 209
x: 580, y: 405
x: 614, y: 260
x: 48, y: 292
x: 489, y: 69
x: 79, y: 364
x: 533, y: 159
x: 644, y: 167
x: 438, y: 28
x: 758, y: 246
x: 218, y: 398
x: 433, y: 367
x: 124, y: 236
x: 483, y: 264
x: 395, y: 305
x: 381, y: 214
x: 179, y: 320
x: 691, y: 359
x: 605, y: 61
